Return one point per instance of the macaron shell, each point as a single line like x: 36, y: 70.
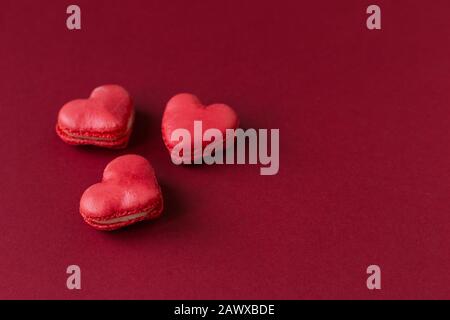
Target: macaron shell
x: 184, y: 109
x: 104, y: 119
x: 129, y: 186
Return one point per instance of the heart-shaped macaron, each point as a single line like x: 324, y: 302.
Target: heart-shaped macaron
x: 105, y: 119
x: 128, y: 193
x: 183, y: 110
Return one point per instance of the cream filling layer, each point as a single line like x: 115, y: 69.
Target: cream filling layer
x: 122, y: 219
x: 129, y: 125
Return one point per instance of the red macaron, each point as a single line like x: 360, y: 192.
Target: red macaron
x: 128, y: 193
x: 183, y: 110
x: 105, y: 119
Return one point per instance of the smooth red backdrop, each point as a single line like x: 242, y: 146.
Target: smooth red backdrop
x: 364, y: 118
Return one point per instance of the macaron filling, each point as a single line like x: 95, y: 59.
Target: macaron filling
x: 99, y: 137
x: 122, y: 219
x: 91, y: 138
x: 156, y: 208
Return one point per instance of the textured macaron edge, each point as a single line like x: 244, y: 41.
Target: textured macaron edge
x: 108, y: 140
x: 153, y: 210
x: 115, y: 139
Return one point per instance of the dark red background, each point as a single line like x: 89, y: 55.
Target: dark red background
x: 365, y: 149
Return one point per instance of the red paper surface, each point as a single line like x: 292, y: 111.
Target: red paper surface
x: 364, y: 120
